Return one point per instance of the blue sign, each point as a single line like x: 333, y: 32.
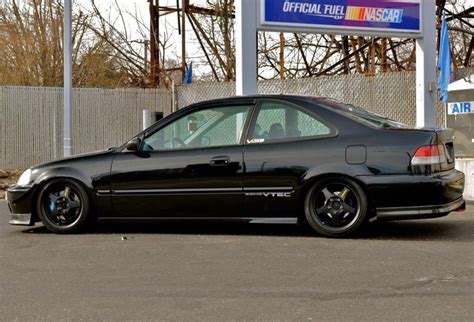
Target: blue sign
x: 460, y: 108
x: 369, y: 16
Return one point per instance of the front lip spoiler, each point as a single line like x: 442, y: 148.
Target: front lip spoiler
x: 405, y: 213
x: 20, y: 220
x: 19, y: 204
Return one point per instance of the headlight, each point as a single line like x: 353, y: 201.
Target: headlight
x: 24, y: 178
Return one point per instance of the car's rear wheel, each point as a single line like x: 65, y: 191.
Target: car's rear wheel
x: 63, y: 206
x: 335, y: 207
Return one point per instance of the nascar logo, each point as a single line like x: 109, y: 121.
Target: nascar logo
x: 338, y: 12
x: 374, y: 14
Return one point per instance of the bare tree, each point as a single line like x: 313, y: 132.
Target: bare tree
x: 31, y: 47
x: 114, y: 50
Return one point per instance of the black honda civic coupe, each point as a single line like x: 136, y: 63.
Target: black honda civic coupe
x: 252, y: 159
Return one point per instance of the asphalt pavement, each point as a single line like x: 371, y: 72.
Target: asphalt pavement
x: 415, y: 271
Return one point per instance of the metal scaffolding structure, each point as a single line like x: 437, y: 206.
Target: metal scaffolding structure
x: 186, y: 13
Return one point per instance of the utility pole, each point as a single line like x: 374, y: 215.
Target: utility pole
x: 154, y: 37
x: 184, y: 7
x: 282, y: 56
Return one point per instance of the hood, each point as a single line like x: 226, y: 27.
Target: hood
x: 78, y: 157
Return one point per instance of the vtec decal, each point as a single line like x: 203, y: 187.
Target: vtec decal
x: 269, y: 194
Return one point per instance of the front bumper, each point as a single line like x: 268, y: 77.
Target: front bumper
x: 20, y: 205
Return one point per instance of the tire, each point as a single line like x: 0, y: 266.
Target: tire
x: 335, y: 207
x: 63, y: 206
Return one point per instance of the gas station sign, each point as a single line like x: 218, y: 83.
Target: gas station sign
x: 386, y: 17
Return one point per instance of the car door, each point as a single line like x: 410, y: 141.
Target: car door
x: 190, y: 167
x: 283, y: 142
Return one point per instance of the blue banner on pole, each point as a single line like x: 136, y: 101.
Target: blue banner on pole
x: 368, y: 15
x: 444, y: 62
x: 188, y: 77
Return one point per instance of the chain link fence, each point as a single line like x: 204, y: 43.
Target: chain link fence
x: 31, y: 121
x: 31, y: 117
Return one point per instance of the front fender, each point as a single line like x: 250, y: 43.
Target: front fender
x: 100, y: 204
x: 65, y: 172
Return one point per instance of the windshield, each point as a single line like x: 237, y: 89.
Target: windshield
x: 361, y: 115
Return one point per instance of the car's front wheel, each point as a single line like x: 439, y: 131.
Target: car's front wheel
x: 63, y: 206
x: 335, y: 207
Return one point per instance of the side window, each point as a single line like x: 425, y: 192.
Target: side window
x: 278, y: 120
x: 220, y: 126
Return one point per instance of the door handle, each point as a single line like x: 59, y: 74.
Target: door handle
x: 220, y: 161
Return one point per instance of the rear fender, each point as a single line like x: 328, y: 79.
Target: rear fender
x: 326, y: 171
x: 351, y: 171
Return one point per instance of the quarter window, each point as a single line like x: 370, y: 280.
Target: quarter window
x: 211, y: 127
x: 278, y: 121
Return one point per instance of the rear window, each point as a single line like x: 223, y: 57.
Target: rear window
x: 360, y: 115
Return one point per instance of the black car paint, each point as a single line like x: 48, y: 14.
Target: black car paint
x: 260, y: 180
x: 92, y: 170
x: 170, y: 181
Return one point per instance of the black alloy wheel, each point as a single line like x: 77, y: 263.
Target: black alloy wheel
x: 63, y: 206
x: 336, y: 207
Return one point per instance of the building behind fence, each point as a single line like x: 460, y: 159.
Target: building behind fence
x: 31, y: 118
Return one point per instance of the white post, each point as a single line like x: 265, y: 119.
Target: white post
x: 146, y: 119
x: 67, y: 78
x: 246, y: 46
x: 426, y: 68
x: 174, y: 108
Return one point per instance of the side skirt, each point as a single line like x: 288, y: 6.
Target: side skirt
x: 249, y: 220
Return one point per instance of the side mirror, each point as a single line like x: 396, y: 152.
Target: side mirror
x: 133, y: 145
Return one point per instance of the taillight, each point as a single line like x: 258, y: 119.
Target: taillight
x: 429, y: 155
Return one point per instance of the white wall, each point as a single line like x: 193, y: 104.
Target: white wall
x: 467, y: 166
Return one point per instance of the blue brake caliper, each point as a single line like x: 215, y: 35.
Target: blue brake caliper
x: 52, y: 204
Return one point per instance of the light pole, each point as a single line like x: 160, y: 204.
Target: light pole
x: 246, y: 46
x: 67, y: 78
